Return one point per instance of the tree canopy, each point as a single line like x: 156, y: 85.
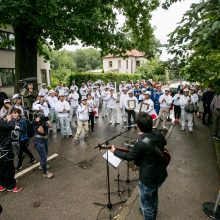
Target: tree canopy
x: 59, y: 22
x: 196, y: 43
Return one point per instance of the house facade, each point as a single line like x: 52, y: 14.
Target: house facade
x: 134, y: 59
x: 7, y: 63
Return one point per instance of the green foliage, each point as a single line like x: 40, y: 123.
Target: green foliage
x: 153, y: 69
x: 196, y: 43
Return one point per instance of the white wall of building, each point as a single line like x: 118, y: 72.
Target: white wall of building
x: 128, y: 65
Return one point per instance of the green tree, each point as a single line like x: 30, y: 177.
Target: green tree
x: 59, y: 22
x: 153, y: 69
x: 196, y: 43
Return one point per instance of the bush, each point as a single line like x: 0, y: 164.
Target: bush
x: 105, y: 77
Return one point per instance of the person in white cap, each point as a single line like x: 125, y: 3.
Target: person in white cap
x: 105, y: 93
x: 184, y: 101
x: 44, y: 90
x: 130, y: 105
x: 142, y: 95
x: 63, y: 109
x: 6, y: 108
x: 96, y: 97
x: 41, y: 104
x: 73, y: 99
x: 83, y: 119
x: 53, y: 115
x: 112, y: 107
x: 122, y: 103
x: 17, y: 100
x: 147, y: 104
x: 165, y: 101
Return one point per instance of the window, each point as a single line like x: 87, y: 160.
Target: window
x: 126, y: 64
x: 7, y: 40
x: 110, y: 64
x: 43, y: 76
x: 138, y: 63
x: 6, y: 77
x: 119, y: 64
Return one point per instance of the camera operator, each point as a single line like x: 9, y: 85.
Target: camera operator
x: 41, y: 141
x: 7, y: 169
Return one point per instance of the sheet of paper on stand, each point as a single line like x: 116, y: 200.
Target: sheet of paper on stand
x: 112, y: 159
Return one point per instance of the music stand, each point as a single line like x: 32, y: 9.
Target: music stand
x: 109, y: 204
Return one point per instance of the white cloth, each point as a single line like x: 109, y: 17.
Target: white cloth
x: 96, y: 96
x: 111, y: 101
x: 38, y: 105
x: 52, y: 100
x: 184, y: 100
x: 43, y: 91
x: 150, y: 110
x: 104, y: 95
x: 194, y: 98
x: 165, y: 101
x: 83, y: 91
x: 74, y: 87
x: 176, y: 99
x: 83, y: 112
x: 73, y: 99
x: 123, y: 98
x: 63, y: 108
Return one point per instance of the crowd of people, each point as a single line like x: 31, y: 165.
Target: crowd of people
x: 71, y: 110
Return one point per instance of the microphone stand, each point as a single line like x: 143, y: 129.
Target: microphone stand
x: 109, y: 205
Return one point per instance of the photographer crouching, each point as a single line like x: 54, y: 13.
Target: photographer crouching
x: 41, y: 124
x: 7, y: 169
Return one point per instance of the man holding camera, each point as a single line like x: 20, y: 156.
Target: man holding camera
x: 7, y: 169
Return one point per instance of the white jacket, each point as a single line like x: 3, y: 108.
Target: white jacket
x: 52, y: 100
x: 176, y: 99
x: 184, y: 100
x: 96, y: 96
x: 83, y: 112
x: 194, y: 98
x: 150, y: 106
x: 168, y: 100
x: 63, y: 108
x: 111, y: 101
x: 123, y: 98
x: 73, y: 99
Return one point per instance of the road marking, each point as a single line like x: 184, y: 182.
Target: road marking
x: 36, y: 165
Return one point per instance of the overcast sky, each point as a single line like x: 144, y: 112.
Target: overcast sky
x: 165, y: 21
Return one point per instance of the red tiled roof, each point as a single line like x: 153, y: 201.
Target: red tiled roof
x: 131, y: 53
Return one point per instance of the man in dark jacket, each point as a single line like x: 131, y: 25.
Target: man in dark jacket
x: 207, y: 100
x: 7, y: 169
x: 152, y: 172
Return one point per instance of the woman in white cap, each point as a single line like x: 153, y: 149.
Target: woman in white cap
x: 6, y: 108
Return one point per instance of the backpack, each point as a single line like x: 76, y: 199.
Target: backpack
x: 30, y: 129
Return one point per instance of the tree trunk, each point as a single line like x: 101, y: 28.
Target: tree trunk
x: 25, y: 58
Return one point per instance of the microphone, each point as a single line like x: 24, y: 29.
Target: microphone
x: 130, y: 126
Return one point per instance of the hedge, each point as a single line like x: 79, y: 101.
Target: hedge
x: 105, y: 77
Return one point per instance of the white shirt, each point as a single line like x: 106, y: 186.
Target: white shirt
x: 194, y: 98
x: 38, y: 105
x: 168, y: 100
x: 91, y: 105
x: 105, y: 95
x: 176, y: 99
x: 52, y: 100
x: 83, y: 112
x: 96, y: 96
x: 123, y: 98
x: 150, y: 110
x: 111, y: 101
x: 74, y: 87
x: 63, y: 108
x: 184, y: 100
x: 133, y: 98
x: 73, y: 99
x: 83, y: 91
x: 44, y: 91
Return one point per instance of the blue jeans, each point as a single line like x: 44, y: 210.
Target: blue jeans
x: 149, y: 200
x: 65, y: 126
x: 41, y: 146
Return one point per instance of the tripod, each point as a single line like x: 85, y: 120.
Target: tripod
x: 109, y: 205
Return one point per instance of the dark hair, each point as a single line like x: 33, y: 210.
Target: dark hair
x: 17, y: 110
x: 144, y: 122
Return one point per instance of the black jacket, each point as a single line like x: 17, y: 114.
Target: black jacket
x: 5, y: 138
x: 152, y: 168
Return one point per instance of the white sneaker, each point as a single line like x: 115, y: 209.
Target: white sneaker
x: 154, y: 127
x: 48, y: 175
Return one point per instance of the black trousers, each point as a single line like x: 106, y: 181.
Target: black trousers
x: 133, y: 114
x: 7, y: 174
x: 207, y: 110
x: 177, y: 111
x: 24, y: 148
x: 92, y: 119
